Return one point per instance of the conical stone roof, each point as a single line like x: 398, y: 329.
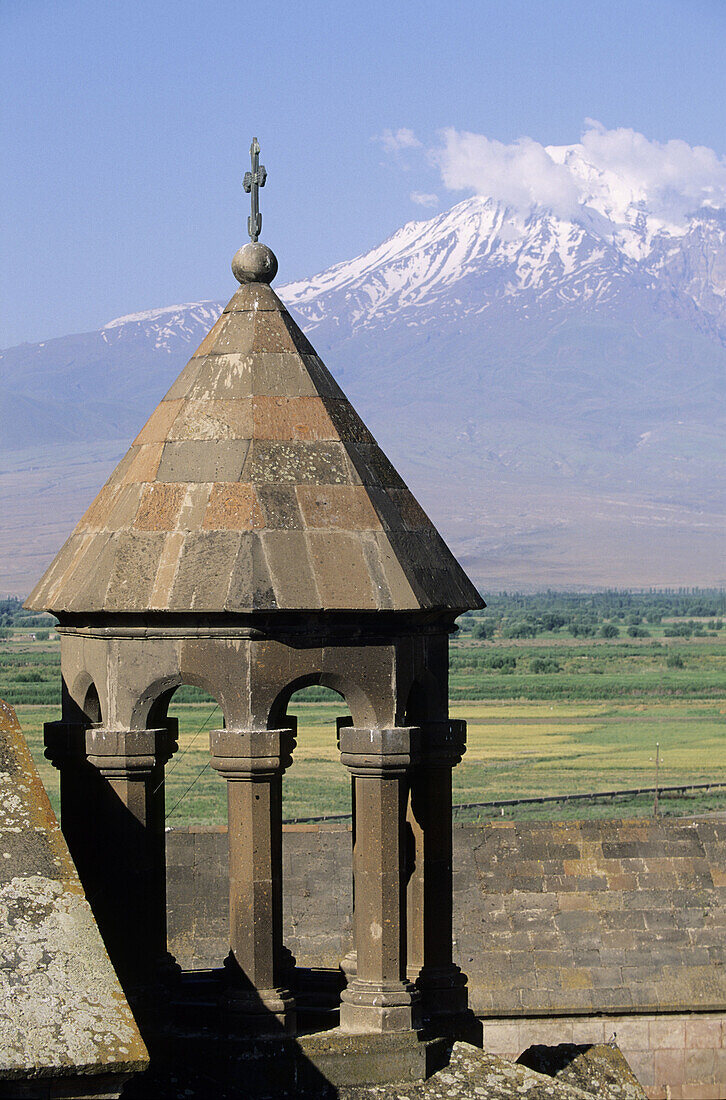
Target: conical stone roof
x: 254, y: 485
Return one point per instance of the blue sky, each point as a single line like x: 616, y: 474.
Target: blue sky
x: 126, y: 126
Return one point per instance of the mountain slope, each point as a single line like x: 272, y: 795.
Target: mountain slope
x: 552, y: 386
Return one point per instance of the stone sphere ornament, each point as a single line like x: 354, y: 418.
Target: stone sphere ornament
x: 254, y: 263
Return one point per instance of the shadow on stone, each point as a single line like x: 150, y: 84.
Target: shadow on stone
x: 598, y: 1068
x: 201, y: 1047
x: 213, y: 1038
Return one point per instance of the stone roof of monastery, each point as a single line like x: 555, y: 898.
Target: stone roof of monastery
x: 254, y: 485
x: 62, y: 1010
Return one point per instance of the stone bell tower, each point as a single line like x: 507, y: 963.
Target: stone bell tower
x: 254, y: 540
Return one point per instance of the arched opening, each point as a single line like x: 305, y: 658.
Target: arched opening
x: 194, y: 795
x: 195, y: 813
x: 92, y: 706
x: 315, y: 786
x: 317, y: 870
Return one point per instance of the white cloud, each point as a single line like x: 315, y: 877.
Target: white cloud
x: 521, y: 174
x: 395, y: 140
x: 615, y: 167
x: 421, y: 198
x: 673, y: 176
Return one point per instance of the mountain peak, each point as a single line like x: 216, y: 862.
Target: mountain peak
x: 483, y: 251
x: 572, y: 363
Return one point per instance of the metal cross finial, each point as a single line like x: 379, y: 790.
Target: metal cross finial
x: 252, y: 183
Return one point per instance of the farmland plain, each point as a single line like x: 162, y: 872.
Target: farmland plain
x: 588, y: 720
x: 515, y: 750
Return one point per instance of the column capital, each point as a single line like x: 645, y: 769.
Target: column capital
x: 379, y: 752
x: 129, y: 754
x: 443, y: 742
x: 65, y: 742
x: 251, y: 755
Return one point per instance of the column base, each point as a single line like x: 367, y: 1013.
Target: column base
x: 261, y: 1011
x: 288, y: 962
x: 168, y: 971
x: 379, y: 1007
x: 443, y: 991
x: 349, y: 965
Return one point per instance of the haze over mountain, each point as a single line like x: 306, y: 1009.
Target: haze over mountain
x: 550, y: 378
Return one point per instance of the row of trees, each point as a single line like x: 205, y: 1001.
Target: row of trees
x: 13, y: 617
x: 606, y: 614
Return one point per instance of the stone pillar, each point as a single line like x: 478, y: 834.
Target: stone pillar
x: 253, y: 762
x: 379, y: 998
x: 126, y: 832
x: 348, y: 963
x: 430, y: 887
x: 65, y: 747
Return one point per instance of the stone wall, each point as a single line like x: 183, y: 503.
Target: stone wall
x: 601, y: 926
x: 679, y: 1056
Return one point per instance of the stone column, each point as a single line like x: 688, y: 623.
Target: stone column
x: 379, y: 998
x: 65, y: 747
x: 253, y: 762
x: 348, y: 963
x: 430, y: 887
x: 128, y: 894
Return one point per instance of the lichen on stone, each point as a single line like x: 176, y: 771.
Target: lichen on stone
x: 62, y: 1009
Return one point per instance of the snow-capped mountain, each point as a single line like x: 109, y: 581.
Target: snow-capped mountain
x: 552, y: 383
x: 165, y: 328
x: 483, y: 256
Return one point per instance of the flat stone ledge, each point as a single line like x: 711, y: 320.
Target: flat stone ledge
x: 355, y: 1060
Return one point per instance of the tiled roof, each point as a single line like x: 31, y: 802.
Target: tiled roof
x: 593, y: 916
x: 254, y: 485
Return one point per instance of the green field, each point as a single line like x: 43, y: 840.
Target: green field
x: 551, y: 714
x: 515, y: 749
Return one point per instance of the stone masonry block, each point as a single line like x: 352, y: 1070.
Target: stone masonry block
x: 226, y: 375
x: 669, y: 1067
x: 213, y: 418
x: 590, y: 1030
x: 136, y: 556
x: 344, y: 507
x: 183, y: 384
x: 341, y: 575
x: 95, y: 518
x: 159, y: 507
x: 700, y: 1065
x: 232, y: 333
x: 292, y: 418
x: 233, y: 506
x: 204, y: 569
x: 251, y: 297
x: 288, y: 559
x: 277, y: 373
x: 642, y: 1063
x: 280, y: 508
x: 399, y: 585
x: 502, y: 1037
x: 704, y: 1032
x: 124, y: 507
x: 144, y: 463
x: 156, y: 427
x: 250, y: 583
x: 272, y: 333
x: 291, y: 461
x: 203, y: 460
